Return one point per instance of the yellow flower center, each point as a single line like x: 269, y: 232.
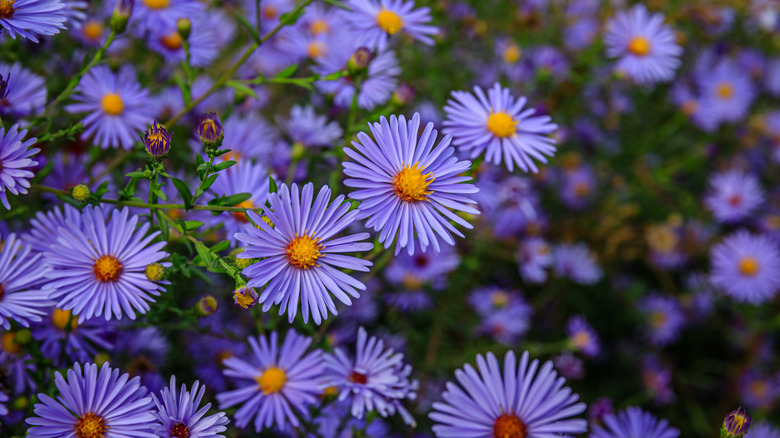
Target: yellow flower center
x: 501, y: 124
x: 316, y: 49
x: 107, y: 269
x: 154, y: 271
x: 509, y: 426
x: 580, y: 339
x: 272, y: 380
x: 157, y: 4
x: 62, y: 318
x: 748, y: 266
x: 389, y: 21
x: 8, y: 343
x: 499, y: 299
x: 725, y: 90
x: 512, y: 54
x: 639, y: 46
x: 233, y: 155
x: 303, y: 251
x: 270, y: 12
x: 91, y: 425
x: 581, y: 189
x: 690, y: 107
x: 318, y: 27
x: 171, y: 41
x: 662, y: 238
x: 112, y: 104
x: 240, y: 215
x: 7, y: 9
x: 412, y: 282
x: 244, y: 297
x: 411, y: 185
x: 658, y: 319
x: 92, y: 30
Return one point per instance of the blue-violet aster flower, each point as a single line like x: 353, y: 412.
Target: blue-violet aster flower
x: 633, y: 422
x: 375, y: 21
x: 733, y: 195
x: 23, y: 291
x: 25, y: 92
x: 746, y: 266
x: 182, y: 416
x: 15, y: 162
x: 32, y: 18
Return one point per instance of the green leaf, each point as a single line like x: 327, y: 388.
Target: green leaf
x: 184, y: 191
x: 160, y: 194
x: 102, y: 190
x: 287, y: 72
x: 205, y: 255
x: 221, y: 246
x: 248, y: 26
x: 223, y: 165
x: 192, y: 225
x: 163, y: 225
x: 242, y: 88
x: 272, y: 185
x: 234, y: 199
x: 209, y: 181
x: 136, y: 175
x: 289, y: 18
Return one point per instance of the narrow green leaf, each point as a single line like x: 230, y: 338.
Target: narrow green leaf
x: 221, y: 246
x: 184, y: 191
x: 242, y: 87
x: 163, y: 225
x: 223, y: 165
x: 232, y: 200
x: 192, y: 225
x: 209, y: 181
x: 287, y: 72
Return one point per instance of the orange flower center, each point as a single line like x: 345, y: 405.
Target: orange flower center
x: 180, y: 430
x: 512, y: 54
x: 272, y: 380
x: 112, y: 104
x: 240, y: 215
x: 316, y: 49
x: 7, y: 9
x: 318, y: 27
x: 62, y: 318
x: 303, y: 252
x: 639, y: 46
x: 748, y: 266
x: 411, y: 185
x: 92, y: 30
x: 389, y: 21
x: 8, y: 343
x: 157, y: 4
x: 107, y: 269
x: 171, y: 41
x: 501, y: 124
x: 725, y: 90
x: 509, y: 426
x: 91, y: 425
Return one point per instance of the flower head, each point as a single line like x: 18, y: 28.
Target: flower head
x: 245, y: 297
x: 15, y: 162
x: 301, y: 252
x: 376, y: 21
x: 407, y: 186
x: 582, y: 337
x: 32, y: 18
x: 746, y: 267
x: 665, y: 318
x: 182, y: 416
x: 157, y: 140
x: 733, y: 195
x: 576, y: 262
x: 726, y: 90
x: 498, y: 125
x: 23, y: 292
x: 633, y: 422
x: 516, y: 403
x: 25, y: 92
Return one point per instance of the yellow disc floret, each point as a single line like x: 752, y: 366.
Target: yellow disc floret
x: 509, y: 426
x: 92, y: 30
x: 501, y: 124
x: 91, y: 425
x: 112, y: 104
x: 7, y: 9
x: 157, y: 4
x: 318, y: 27
x: 8, y: 342
x: 411, y: 185
x: 172, y: 41
x: 748, y: 266
x: 272, y: 380
x: 107, y: 269
x: 63, y: 318
x: 389, y: 21
x: 303, y: 251
x: 724, y: 90
x: 512, y: 54
x: 639, y: 46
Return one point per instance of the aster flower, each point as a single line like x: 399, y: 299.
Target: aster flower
x: 23, y: 290
x: 377, y: 379
x: 208, y: 33
x: 633, y: 422
x: 582, y: 337
x: 94, y: 404
x: 647, y: 48
x: 657, y: 380
x: 15, y: 162
x: 763, y: 430
x: 508, y: 324
x: 243, y: 177
x: 32, y: 18
x: 489, y: 300
x: 182, y: 416
x: 280, y: 381
x: 375, y: 21
x: 162, y: 14
x: 117, y: 107
x: 3, y: 400
x: 426, y: 267
x: 305, y: 127
x: 498, y: 125
x: 25, y: 91
x: 534, y: 257
x: 726, y: 90
x: 577, y: 263
x: 665, y: 318
x: 80, y: 341
x: 300, y: 253
x: 407, y: 186
x: 144, y: 351
x: 733, y: 195
x: 746, y: 266
x: 518, y: 402
x: 569, y: 365
x: 99, y: 269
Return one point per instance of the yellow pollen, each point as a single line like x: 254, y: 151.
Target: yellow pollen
x: 272, y: 380
x: 725, y: 90
x: 91, y: 425
x: 244, y: 297
x: 330, y: 391
x: 157, y: 4
x: 639, y: 46
x: 61, y: 318
x: 748, y: 266
x: 7, y: 9
x: 512, y: 54
x: 303, y: 251
x: 107, y: 269
x: 501, y: 124
x: 8, y: 343
x: 171, y: 41
x: 316, y: 49
x: 389, y: 21
x: 411, y: 185
x: 580, y: 339
x: 93, y: 30
x: 662, y: 238
x: 240, y: 215
x: 509, y: 426
x: 318, y: 27
x: 112, y: 104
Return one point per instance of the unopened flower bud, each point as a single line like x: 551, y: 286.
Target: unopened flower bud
x: 80, y: 192
x: 735, y: 424
x: 245, y: 297
x: 358, y: 62
x: 404, y: 94
x: 184, y: 27
x: 154, y: 272
x: 20, y: 403
x: 101, y: 358
x: 23, y: 337
x: 4, y: 85
x: 157, y: 141
x: 123, y: 9
x: 206, y: 305
x: 210, y: 131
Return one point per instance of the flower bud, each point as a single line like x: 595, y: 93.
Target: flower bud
x: 23, y: 337
x: 358, y: 62
x: 101, y: 358
x: 210, y: 131
x: 404, y: 94
x: 245, y: 297
x: 20, y: 403
x: 735, y: 424
x: 154, y: 272
x: 4, y: 85
x: 123, y: 9
x: 184, y: 27
x: 80, y: 192
x: 206, y: 305
x: 157, y: 141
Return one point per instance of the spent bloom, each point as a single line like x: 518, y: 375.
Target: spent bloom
x: 524, y: 400
x: 15, y: 162
x: 23, y: 291
x: 499, y: 125
x: 376, y: 21
x: 301, y: 252
x: 32, y: 18
x: 633, y: 422
x: 746, y: 266
x: 182, y: 416
x: 407, y: 186
x: 647, y: 48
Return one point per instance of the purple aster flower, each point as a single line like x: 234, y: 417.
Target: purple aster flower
x: 23, y: 291
x: 576, y: 262
x: 15, y: 162
x: 758, y: 390
x: 569, y: 365
x: 665, y: 318
x: 162, y: 14
x: 243, y: 177
x: 733, y: 195
x: 26, y: 91
x: 94, y: 404
x: 763, y: 430
x: 582, y: 337
x: 579, y: 187
x: 408, y: 187
x: 691, y: 105
x: 44, y: 225
x: 508, y: 324
x: 143, y: 351
x: 280, y: 382
x: 377, y: 378
x: 208, y: 33
x: 409, y: 301
x: 375, y: 21
x: 516, y: 403
x: 209, y: 352
x: 746, y: 267
x: 118, y: 108
x: 182, y: 416
x: 547, y: 61
x: 772, y: 77
x: 3, y: 400
x: 498, y: 125
x: 300, y: 254
x: 657, y: 380
x: 32, y: 18
x: 491, y: 299
x: 414, y: 271
x: 534, y: 257
x: 99, y: 270
x: 305, y: 127
x: 633, y: 422
x: 647, y: 48
x: 248, y: 136
x: 81, y: 341
x: 726, y: 90
x: 17, y: 364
